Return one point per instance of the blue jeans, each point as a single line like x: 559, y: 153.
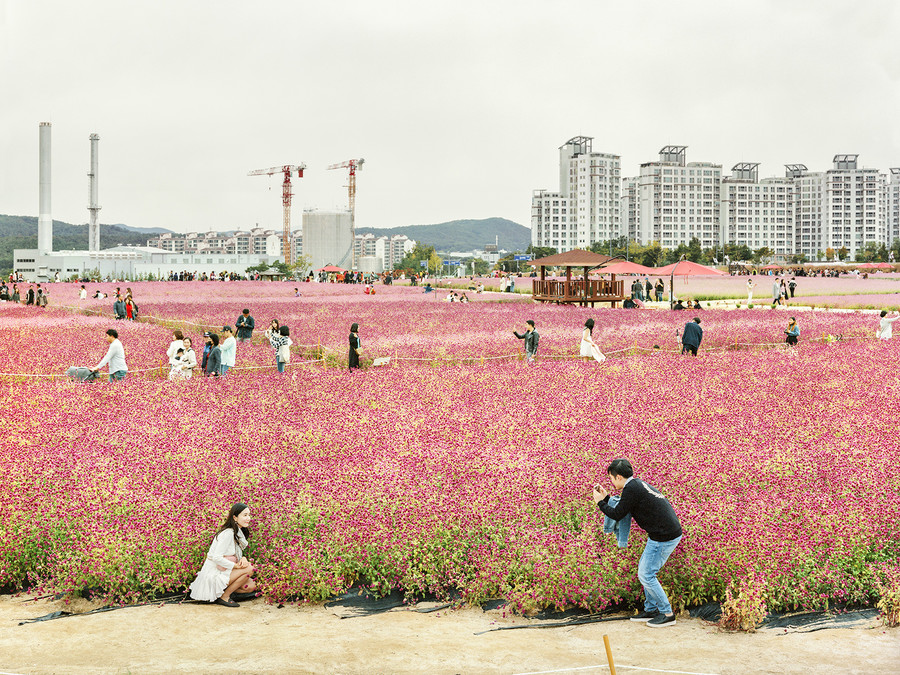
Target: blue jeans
x: 621, y: 528
x: 223, y: 370
x: 654, y: 557
x: 118, y: 375
x: 529, y: 357
x: 280, y: 366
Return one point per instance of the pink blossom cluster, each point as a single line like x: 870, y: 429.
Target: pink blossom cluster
x: 472, y: 479
x: 405, y: 323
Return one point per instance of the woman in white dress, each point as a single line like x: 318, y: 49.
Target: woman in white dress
x: 225, y: 570
x: 589, y: 348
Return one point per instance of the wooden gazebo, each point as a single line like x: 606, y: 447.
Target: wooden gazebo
x: 584, y: 291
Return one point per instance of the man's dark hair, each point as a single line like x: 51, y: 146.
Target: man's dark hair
x: 284, y: 330
x: 696, y: 319
x: 620, y: 467
x: 113, y: 332
x: 245, y: 311
x: 530, y: 322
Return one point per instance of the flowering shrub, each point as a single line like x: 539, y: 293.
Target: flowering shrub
x: 745, y: 606
x: 471, y: 479
x: 407, y: 324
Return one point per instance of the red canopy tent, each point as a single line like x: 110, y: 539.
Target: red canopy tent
x: 885, y: 266
x: 684, y: 268
x: 772, y: 267
x: 331, y: 268
x: 625, y: 267
x: 868, y: 266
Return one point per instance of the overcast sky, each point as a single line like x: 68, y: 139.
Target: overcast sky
x: 457, y: 107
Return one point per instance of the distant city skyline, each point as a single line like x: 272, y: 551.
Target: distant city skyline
x: 457, y: 109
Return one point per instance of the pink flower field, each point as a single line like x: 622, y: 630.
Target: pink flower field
x: 465, y: 477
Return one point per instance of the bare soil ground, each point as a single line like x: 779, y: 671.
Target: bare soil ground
x: 260, y: 638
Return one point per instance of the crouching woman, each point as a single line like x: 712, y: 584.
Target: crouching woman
x: 225, y: 571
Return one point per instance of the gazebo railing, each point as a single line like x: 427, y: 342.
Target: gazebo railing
x: 578, y: 289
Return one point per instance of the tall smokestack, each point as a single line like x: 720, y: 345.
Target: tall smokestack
x: 94, y: 207
x: 45, y: 221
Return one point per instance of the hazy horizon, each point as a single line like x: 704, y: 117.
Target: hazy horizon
x: 457, y: 109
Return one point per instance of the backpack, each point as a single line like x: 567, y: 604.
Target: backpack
x: 284, y: 353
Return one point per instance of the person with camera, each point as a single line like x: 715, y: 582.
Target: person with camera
x: 653, y: 512
x: 792, y: 332
x: 279, y: 337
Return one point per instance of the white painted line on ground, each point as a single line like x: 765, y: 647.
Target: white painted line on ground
x: 606, y: 667
x: 3, y: 672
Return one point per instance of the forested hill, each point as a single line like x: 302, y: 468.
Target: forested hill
x: 21, y: 232
x: 462, y: 235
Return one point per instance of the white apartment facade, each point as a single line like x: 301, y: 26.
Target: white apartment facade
x: 759, y: 213
x: 675, y: 201
x: 892, y: 205
x: 384, y: 251
x: 256, y: 241
x: 586, y: 207
x: 844, y: 207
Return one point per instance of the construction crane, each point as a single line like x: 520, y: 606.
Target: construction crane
x: 353, y: 165
x: 286, y: 195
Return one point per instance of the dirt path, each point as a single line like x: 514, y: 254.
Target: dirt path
x: 260, y: 638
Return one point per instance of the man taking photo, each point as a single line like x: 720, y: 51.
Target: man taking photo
x: 655, y: 514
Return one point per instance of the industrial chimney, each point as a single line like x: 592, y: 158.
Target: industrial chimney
x: 45, y: 221
x: 93, y: 207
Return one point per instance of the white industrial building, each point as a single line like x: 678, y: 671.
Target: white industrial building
x: 759, y: 213
x: 586, y: 207
x: 326, y: 238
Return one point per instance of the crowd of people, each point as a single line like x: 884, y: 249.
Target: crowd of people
x: 219, y: 353
x: 35, y: 295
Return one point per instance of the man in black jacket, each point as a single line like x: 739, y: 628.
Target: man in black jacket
x: 531, y: 338
x: 655, y: 514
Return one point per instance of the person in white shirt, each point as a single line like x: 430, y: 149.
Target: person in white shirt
x: 82, y: 294
x: 115, y: 357
x: 176, y: 344
x: 885, y: 328
x: 225, y: 569
x: 750, y: 286
x: 228, y: 350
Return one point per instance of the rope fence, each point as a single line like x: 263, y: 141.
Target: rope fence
x: 337, y: 355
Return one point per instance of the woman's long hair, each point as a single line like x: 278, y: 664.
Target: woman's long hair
x: 589, y: 324
x: 231, y: 524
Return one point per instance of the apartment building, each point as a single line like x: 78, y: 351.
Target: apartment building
x: 758, y: 213
x: 256, y: 241
x: 586, y: 207
x: 844, y: 207
x: 673, y: 201
x: 388, y: 251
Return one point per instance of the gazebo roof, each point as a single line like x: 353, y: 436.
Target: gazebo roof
x: 574, y: 258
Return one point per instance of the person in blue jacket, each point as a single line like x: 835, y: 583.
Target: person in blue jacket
x: 692, y: 336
